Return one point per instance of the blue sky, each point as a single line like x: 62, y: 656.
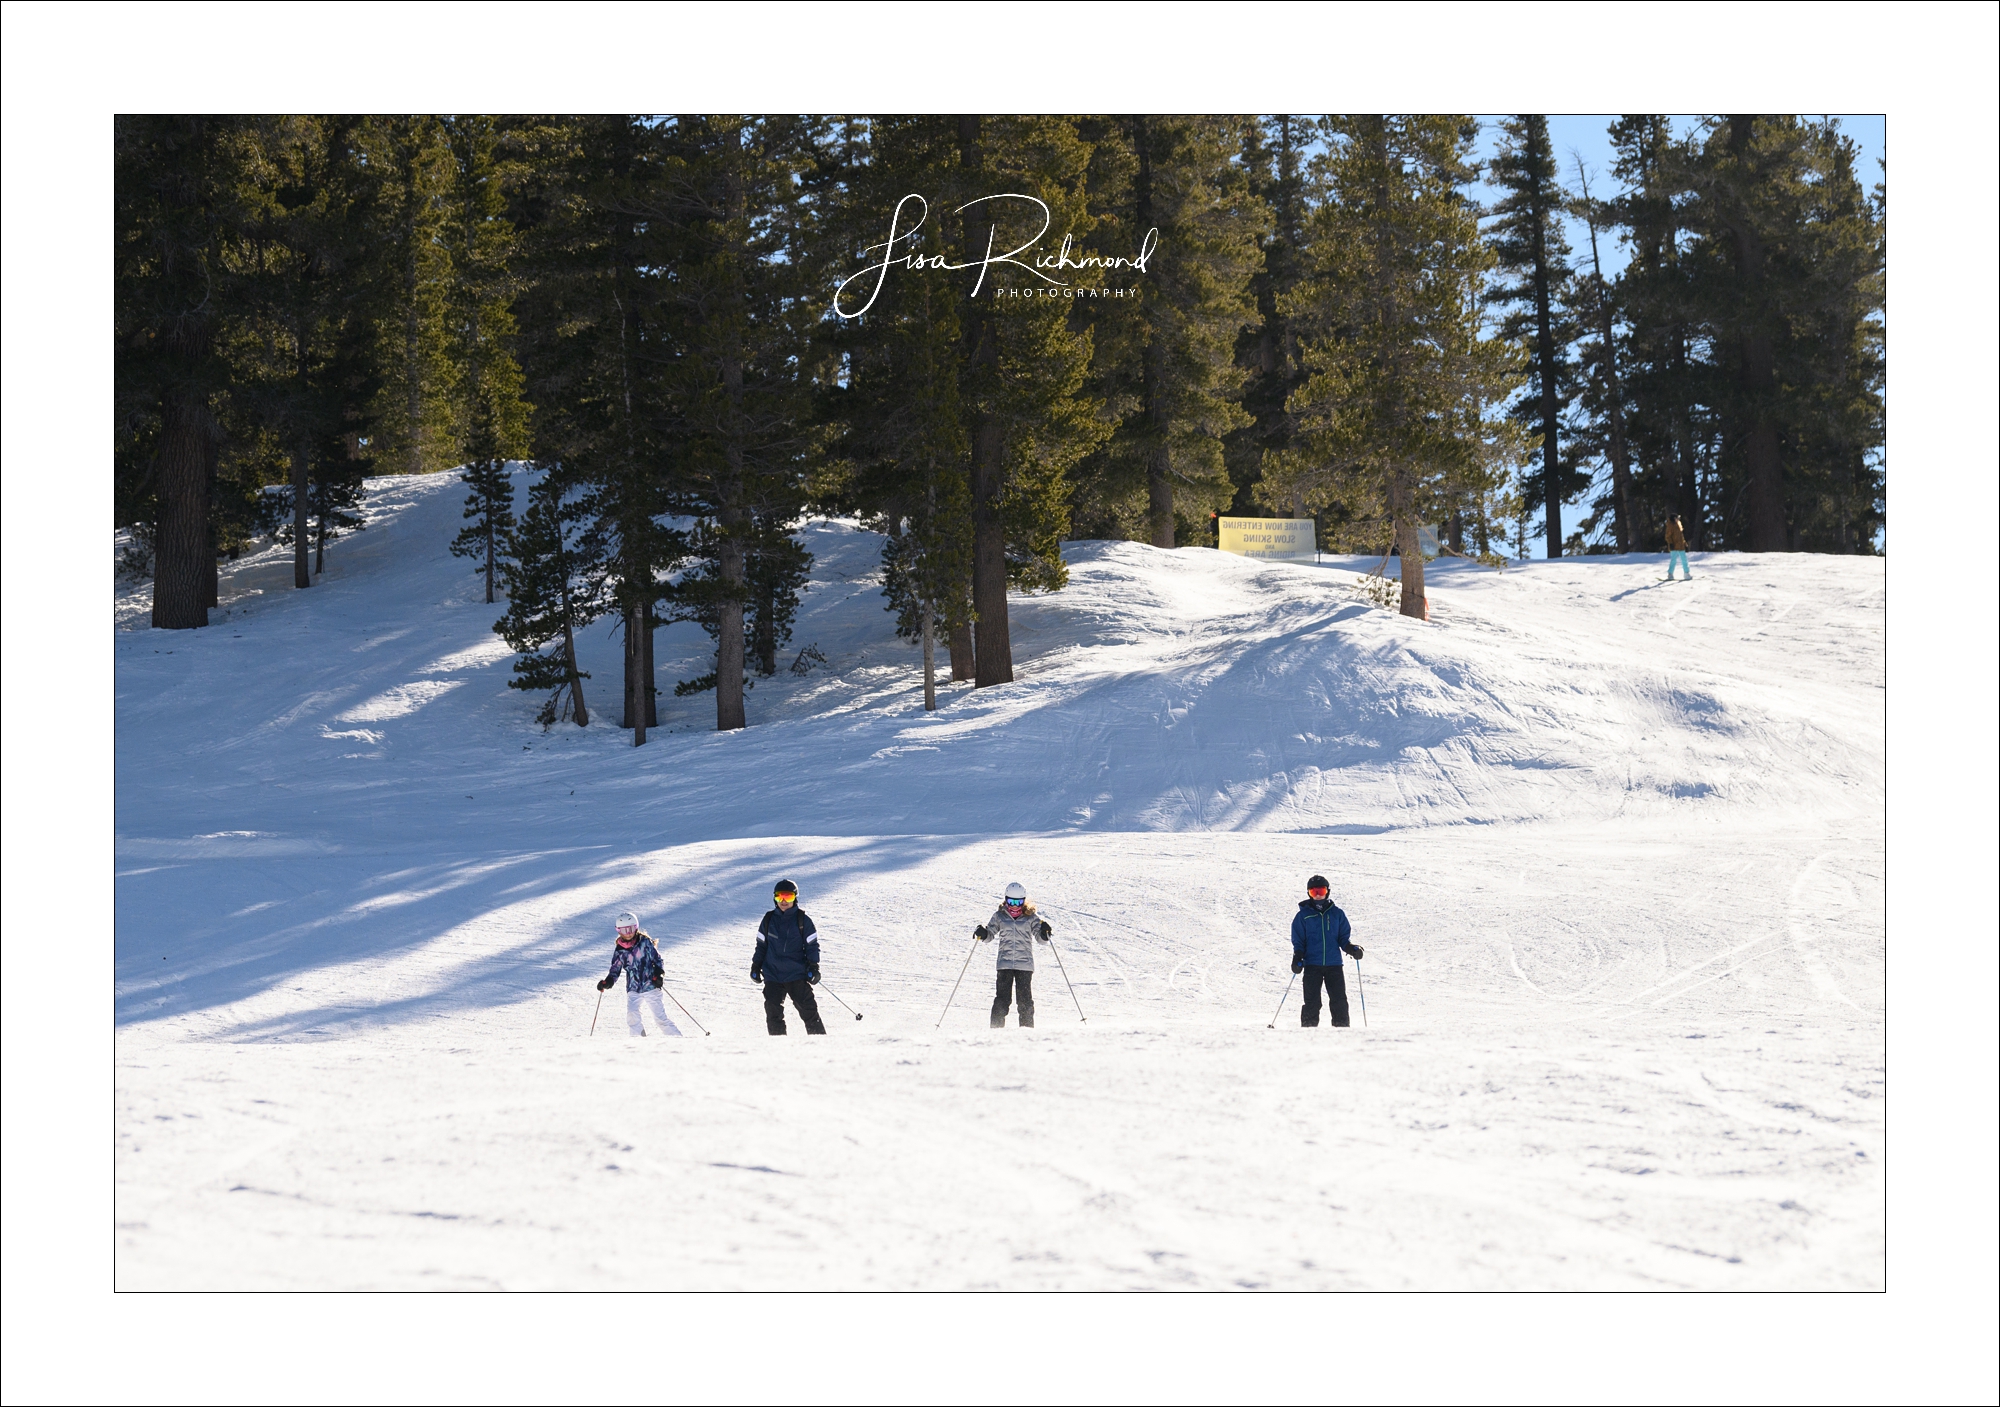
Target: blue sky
x: 1586, y: 136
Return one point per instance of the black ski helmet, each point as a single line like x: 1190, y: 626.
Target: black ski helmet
x: 1318, y: 881
x: 784, y: 886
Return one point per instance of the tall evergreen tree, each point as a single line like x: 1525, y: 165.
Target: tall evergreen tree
x: 173, y: 190
x: 1274, y: 158
x: 1387, y: 420
x: 316, y: 298
x: 1603, y: 396
x: 1533, y: 258
x: 1786, y: 281
x: 491, y: 415
x: 723, y: 216
x: 1173, y: 190
x: 899, y: 453
x: 554, y: 574
x: 415, y: 423
x: 1030, y: 416
x: 1669, y: 429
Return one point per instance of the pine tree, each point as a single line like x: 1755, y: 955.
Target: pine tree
x: 1030, y: 417
x: 1274, y: 157
x: 1533, y: 255
x: 1388, y: 418
x: 898, y: 453
x: 316, y: 296
x: 173, y: 191
x: 1786, y: 285
x: 1670, y: 431
x: 1603, y: 396
x: 414, y: 416
x: 491, y: 414
x: 597, y: 351
x: 723, y: 217
x: 553, y: 571
x: 1171, y: 186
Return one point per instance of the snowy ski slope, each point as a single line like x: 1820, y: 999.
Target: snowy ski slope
x: 1614, y: 848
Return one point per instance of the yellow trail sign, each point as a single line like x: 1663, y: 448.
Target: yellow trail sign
x: 1275, y: 539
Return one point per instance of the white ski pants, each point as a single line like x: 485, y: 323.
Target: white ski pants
x: 652, y: 1004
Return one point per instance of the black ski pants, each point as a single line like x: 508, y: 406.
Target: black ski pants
x: 801, y: 993
x: 1336, y: 995
x: 1018, y: 985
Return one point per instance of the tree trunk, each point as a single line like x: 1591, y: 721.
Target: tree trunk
x: 930, y: 662
x: 319, y: 545
x: 1765, y: 500
x: 635, y: 654
x: 1410, y: 556
x: 960, y: 646
x: 575, y: 674
x: 489, y: 555
x: 1545, y: 356
x: 301, y: 527
x: 1153, y: 367
x: 729, y: 636
x: 646, y: 676
x: 181, y: 535
x: 993, y: 651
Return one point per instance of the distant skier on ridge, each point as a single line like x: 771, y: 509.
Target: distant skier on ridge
x: 787, y: 961
x: 1018, y: 928
x: 1320, y: 934
x: 1677, y: 550
x: 645, y: 974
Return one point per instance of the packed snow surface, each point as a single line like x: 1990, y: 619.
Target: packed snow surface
x: 1613, y: 847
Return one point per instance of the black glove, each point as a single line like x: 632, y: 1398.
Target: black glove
x: 1356, y: 950
x: 658, y: 980
x: 1045, y: 930
x: 980, y: 933
x: 604, y: 985
x: 756, y: 974
x: 812, y: 975
x: 1298, y: 964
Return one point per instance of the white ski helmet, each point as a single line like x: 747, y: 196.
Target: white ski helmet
x: 627, y: 919
x: 1016, y: 894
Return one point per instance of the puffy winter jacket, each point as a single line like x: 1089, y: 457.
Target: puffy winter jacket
x: 640, y: 963
x: 1676, y: 541
x: 786, y: 947
x: 1015, y: 937
x: 1320, y: 933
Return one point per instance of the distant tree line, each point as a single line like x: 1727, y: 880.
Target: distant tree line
x: 1079, y: 327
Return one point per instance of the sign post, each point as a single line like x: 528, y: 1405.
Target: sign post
x: 1268, y: 539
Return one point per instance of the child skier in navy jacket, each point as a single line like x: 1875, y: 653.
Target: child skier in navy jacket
x: 787, y: 961
x: 1319, y: 936
x: 645, y: 974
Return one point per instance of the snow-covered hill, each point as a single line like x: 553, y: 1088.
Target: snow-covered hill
x: 1614, y: 848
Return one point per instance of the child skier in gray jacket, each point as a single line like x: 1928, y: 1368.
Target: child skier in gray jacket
x: 1017, y: 928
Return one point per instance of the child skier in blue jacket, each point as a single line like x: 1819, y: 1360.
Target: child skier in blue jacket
x: 1319, y: 936
x: 645, y: 974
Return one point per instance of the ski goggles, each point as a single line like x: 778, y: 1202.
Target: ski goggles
x: 786, y: 896
x: 1318, y: 891
x: 1015, y: 903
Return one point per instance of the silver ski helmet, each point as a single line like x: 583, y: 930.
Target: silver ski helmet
x: 1017, y: 896
x: 626, y: 923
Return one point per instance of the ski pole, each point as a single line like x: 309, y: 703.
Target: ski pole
x: 684, y: 1011
x: 1362, y: 992
x: 836, y: 996
x: 1066, y: 982
x: 600, y: 1007
x: 1272, y: 1024
x: 954, y: 986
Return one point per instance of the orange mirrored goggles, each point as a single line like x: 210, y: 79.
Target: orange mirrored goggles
x: 1318, y: 891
